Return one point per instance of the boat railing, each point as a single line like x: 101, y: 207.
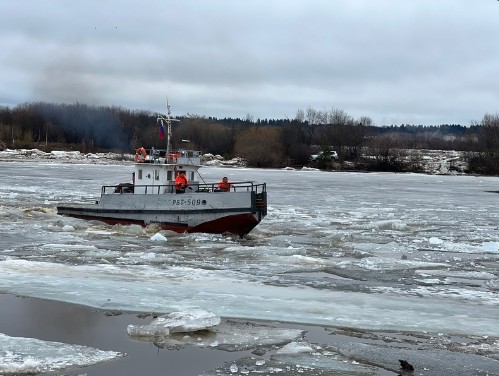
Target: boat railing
x: 122, y: 188
x: 182, y: 156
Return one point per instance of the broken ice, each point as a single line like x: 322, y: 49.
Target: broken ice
x: 28, y: 355
x: 229, y: 335
x: 176, y: 322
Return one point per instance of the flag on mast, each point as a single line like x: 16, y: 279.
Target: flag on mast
x: 161, y: 130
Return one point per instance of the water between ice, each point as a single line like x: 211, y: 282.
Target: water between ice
x: 397, y: 252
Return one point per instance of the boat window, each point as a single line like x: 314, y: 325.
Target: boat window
x: 156, y: 175
x: 169, y: 175
x: 191, y: 178
x: 140, y: 175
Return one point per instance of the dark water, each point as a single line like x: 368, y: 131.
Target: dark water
x: 71, y: 324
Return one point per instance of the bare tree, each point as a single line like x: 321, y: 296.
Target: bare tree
x: 486, y: 161
x: 260, y: 146
x: 300, y: 115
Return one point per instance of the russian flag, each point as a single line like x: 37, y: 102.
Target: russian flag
x: 161, y: 130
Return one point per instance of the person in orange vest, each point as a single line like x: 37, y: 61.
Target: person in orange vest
x: 224, y: 184
x: 181, y: 182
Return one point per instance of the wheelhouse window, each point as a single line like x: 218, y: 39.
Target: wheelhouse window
x: 139, y: 177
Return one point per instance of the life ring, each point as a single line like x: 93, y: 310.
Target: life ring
x: 140, y: 155
x: 174, y: 156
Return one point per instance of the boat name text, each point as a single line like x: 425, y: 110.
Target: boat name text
x: 189, y: 202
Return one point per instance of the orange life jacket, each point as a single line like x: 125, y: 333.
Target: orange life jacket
x: 224, y: 185
x: 180, y: 182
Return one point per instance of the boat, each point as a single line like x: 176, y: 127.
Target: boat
x: 152, y: 198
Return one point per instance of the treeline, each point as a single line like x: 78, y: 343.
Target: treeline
x: 262, y: 142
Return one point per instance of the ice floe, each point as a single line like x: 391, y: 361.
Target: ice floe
x: 176, y: 322
x: 28, y: 356
x: 207, y: 330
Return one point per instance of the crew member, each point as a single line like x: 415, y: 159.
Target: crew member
x: 224, y: 184
x: 181, y: 182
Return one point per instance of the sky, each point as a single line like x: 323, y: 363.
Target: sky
x: 397, y: 62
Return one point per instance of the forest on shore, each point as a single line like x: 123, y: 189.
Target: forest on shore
x: 360, y: 144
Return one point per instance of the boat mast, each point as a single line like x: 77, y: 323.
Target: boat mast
x: 168, y: 121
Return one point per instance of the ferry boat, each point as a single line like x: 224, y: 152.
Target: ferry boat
x: 151, y: 198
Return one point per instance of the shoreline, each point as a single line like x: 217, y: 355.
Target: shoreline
x: 80, y: 325
x: 378, y: 352
x: 433, y: 162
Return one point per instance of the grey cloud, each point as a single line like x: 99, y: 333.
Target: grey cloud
x: 411, y: 61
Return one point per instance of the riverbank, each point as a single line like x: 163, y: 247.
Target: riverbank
x: 442, y: 162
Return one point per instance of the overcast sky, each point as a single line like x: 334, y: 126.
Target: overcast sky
x: 395, y: 61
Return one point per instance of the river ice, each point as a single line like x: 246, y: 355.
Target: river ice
x: 366, y: 251
x: 30, y: 356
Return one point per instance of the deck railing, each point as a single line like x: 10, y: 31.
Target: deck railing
x: 246, y: 186
x: 183, y: 156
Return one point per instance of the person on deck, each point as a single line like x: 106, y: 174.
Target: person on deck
x: 181, y: 182
x: 224, y: 184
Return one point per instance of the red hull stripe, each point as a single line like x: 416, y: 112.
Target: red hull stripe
x: 239, y: 224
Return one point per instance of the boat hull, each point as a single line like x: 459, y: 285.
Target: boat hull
x: 238, y: 224
x: 235, y: 212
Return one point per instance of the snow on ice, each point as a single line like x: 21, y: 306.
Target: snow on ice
x: 29, y: 356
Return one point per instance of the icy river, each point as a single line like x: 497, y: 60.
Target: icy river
x: 406, y: 255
